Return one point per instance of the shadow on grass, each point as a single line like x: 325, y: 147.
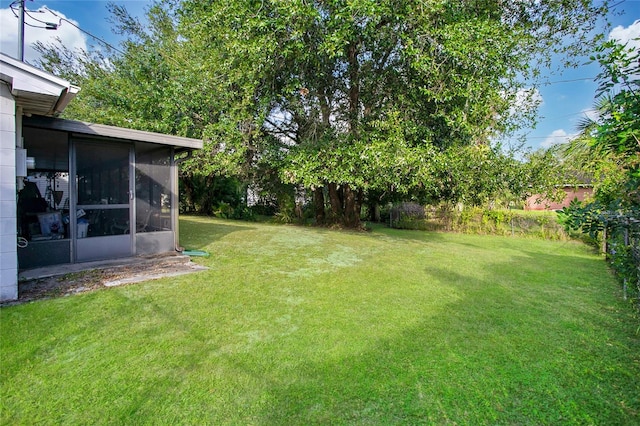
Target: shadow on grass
x: 486, y: 359
x: 479, y: 241
x: 422, y: 379
x: 197, y: 232
x: 507, y: 349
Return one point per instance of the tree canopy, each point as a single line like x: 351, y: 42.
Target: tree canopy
x: 351, y: 99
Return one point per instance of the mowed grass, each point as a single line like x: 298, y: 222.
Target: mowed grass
x: 303, y: 326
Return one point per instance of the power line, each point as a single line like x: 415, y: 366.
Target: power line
x: 585, y: 113
x: 540, y: 137
x: 101, y: 40
x: 28, y: 12
x: 84, y: 31
x: 52, y: 26
x: 572, y: 80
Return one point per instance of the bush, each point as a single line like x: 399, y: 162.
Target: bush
x: 265, y: 209
x: 243, y: 213
x: 407, y: 216
x: 416, y: 224
x: 223, y: 210
x: 477, y: 220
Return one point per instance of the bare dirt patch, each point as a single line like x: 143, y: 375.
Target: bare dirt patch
x: 143, y: 269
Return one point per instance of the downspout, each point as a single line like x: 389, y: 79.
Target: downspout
x: 22, y: 242
x: 176, y: 200
x: 19, y: 142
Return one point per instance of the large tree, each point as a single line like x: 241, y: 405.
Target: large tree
x: 363, y: 96
x: 348, y: 98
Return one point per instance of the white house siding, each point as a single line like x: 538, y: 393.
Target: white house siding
x: 8, y: 226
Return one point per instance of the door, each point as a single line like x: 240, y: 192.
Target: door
x: 103, y: 200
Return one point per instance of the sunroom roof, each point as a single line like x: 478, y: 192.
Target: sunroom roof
x: 101, y: 130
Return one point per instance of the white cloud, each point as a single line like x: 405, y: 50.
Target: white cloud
x: 71, y: 37
x: 528, y: 97
x: 524, y: 99
x: 627, y: 34
x: 557, y: 137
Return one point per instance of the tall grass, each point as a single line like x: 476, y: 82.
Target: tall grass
x: 481, y: 221
x: 296, y: 325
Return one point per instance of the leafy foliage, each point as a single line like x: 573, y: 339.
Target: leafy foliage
x: 610, y: 148
x: 353, y: 100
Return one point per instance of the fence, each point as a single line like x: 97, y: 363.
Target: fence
x: 621, y: 241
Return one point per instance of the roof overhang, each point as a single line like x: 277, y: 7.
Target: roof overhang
x: 34, y: 90
x: 80, y: 128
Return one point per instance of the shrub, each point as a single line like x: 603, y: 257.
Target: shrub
x: 243, y: 213
x: 223, y: 210
x: 407, y: 216
x: 477, y: 220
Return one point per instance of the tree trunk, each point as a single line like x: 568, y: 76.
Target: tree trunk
x: 351, y: 217
x: 359, y: 202
x: 374, y: 211
x: 187, y: 186
x: 335, y: 199
x: 354, y: 88
x: 318, y: 204
x: 207, y: 195
x: 325, y: 109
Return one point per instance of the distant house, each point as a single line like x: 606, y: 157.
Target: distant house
x: 75, y: 192
x: 572, y: 192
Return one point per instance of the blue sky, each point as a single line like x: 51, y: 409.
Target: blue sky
x: 90, y: 15
x: 564, y: 102
x: 570, y: 98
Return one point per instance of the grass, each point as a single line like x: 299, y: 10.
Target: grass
x: 296, y: 325
x: 475, y: 220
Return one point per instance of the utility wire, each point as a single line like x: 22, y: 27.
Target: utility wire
x: 35, y: 19
x: 541, y: 137
x: 86, y: 32
x: 36, y: 26
x: 16, y: 2
x: 104, y: 42
x: 29, y: 12
x: 572, y: 81
x: 98, y: 38
x: 49, y: 25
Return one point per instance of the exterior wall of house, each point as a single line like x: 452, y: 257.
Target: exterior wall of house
x: 571, y: 193
x: 8, y: 225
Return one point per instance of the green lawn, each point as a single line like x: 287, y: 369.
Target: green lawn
x: 304, y: 326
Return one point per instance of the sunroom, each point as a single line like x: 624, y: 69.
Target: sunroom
x: 75, y: 192
x: 93, y: 192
